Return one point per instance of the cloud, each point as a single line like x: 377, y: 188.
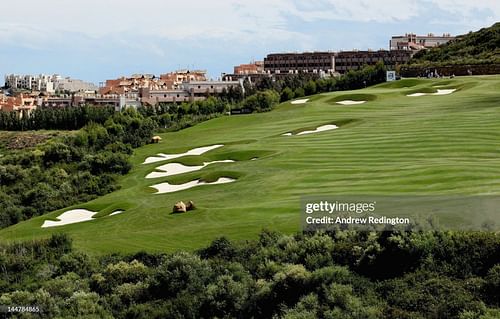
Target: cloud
x: 230, y: 19
x: 358, y: 10
x: 95, y: 37
x: 472, y: 14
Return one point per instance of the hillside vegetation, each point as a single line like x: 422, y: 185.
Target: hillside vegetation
x: 67, y: 168
x: 349, y: 275
x: 480, y: 47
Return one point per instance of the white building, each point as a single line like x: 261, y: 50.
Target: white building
x: 413, y: 42
x: 73, y: 85
x: 47, y: 83
x: 41, y: 82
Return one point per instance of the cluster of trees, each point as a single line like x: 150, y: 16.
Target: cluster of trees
x: 173, y: 117
x: 481, y: 47
x: 296, y: 86
x: 338, y: 275
x: 71, y: 118
x: 70, y: 169
x: 261, y: 101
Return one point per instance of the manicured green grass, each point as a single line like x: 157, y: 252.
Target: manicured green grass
x: 393, y: 144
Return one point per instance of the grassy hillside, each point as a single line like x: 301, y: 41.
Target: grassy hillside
x: 392, y: 144
x: 478, y: 47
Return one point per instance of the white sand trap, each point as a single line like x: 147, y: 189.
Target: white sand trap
x: 254, y: 159
x: 74, y: 216
x: 439, y: 92
x: 320, y: 129
x: 302, y: 101
x: 444, y: 92
x: 170, y: 188
x: 194, y: 151
x: 70, y: 217
x: 317, y: 130
x: 350, y: 102
x: 178, y: 168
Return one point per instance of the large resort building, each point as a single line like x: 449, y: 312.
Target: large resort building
x: 329, y: 63
x: 293, y: 63
x: 401, y: 49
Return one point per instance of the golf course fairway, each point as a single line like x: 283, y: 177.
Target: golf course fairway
x: 391, y: 144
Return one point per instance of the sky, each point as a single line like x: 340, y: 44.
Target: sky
x: 95, y: 40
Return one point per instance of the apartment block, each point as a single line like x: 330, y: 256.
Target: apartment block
x: 47, y: 83
x: 256, y: 67
x: 73, y: 85
x: 355, y: 60
x: 293, y: 63
x: 328, y: 63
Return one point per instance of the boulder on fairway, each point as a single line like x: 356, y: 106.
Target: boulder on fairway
x: 179, y: 207
x: 190, y: 206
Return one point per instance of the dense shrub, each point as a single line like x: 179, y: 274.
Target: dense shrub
x: 266, y: 278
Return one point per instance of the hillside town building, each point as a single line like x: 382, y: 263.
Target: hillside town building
x: 21, y: 104
x: 47, y: 83
x: 413, y: 42
x: 256, y: 67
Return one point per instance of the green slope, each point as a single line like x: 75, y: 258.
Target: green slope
x: 392, y: 144
x: 482, y: 46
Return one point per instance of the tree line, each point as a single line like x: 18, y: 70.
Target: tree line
x: 68, y: 118
x: 345, y: 274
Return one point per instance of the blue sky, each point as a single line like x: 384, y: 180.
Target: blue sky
x: 96, y: 40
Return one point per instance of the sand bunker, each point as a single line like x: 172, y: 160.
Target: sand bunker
x: 320, y: 129
x: 417, y: 94
x: 317, y: 130
x: 350, y: 102
x: 177, y: 168
x: 70, y: 217
x: 194, y: 151
x: 439, y: 92
x: 170, y: 188
x: 444, y: 92
x: 74, y: 216
x: 302, y: 101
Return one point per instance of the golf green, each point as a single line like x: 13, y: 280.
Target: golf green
x: 391, y: 144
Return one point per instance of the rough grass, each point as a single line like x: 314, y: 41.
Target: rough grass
x: 11, y: 141
x: 397, y: 145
